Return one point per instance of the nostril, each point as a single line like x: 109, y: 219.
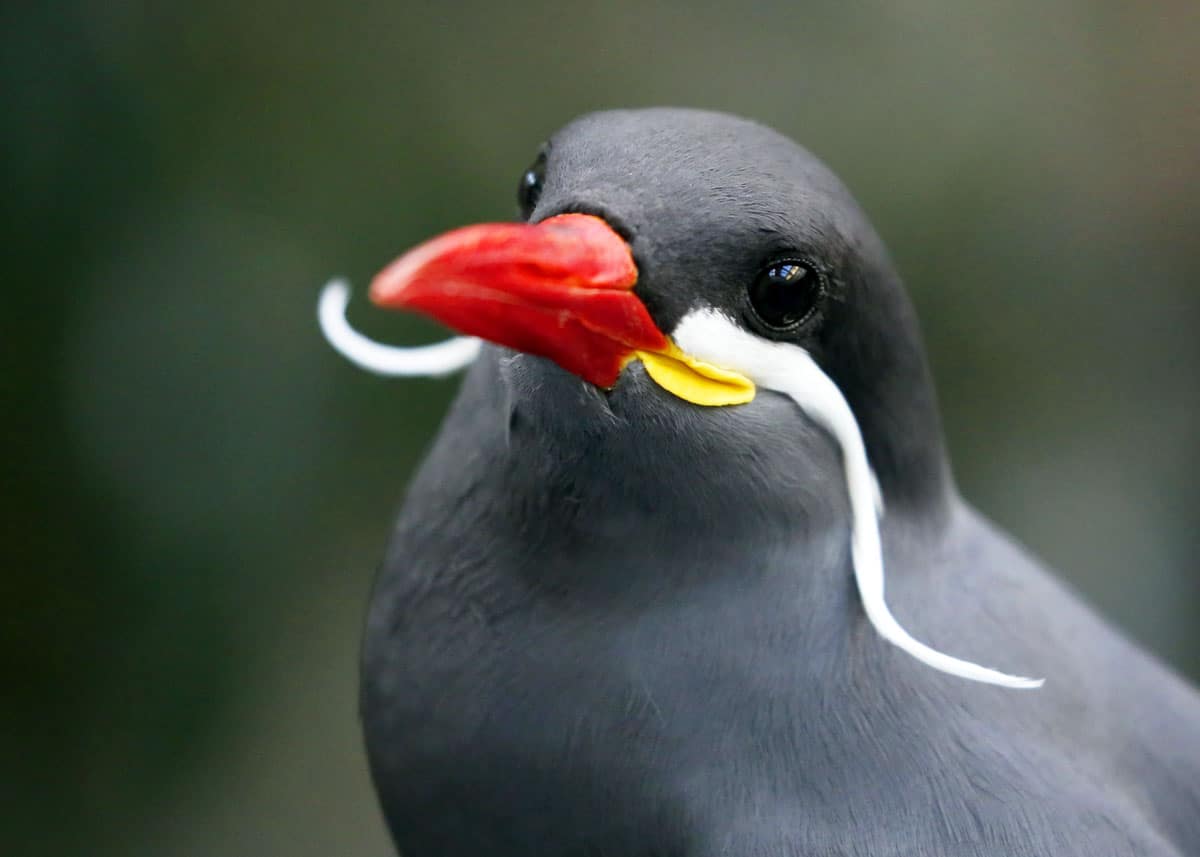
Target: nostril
x: 617, y: 223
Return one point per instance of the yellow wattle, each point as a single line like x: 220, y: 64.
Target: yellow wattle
x: 694, y: 380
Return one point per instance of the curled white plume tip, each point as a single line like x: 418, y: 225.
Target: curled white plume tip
x: 431, y: 361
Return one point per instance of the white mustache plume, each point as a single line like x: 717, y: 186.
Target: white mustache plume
x: 422, y: 361
x: 789, y: 369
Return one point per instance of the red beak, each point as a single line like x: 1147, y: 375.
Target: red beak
x: 562, y: 289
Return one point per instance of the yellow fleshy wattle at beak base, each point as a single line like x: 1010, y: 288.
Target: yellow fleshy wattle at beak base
x: 694, y: 380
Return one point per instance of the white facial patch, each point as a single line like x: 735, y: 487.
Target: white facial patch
x: 431, y: 361
x: 714, y: 338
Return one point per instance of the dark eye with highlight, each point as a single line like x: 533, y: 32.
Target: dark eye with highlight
x: 530, y: 188
x: 785, y: 293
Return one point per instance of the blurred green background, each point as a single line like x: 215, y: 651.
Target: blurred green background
x: 198, y: 488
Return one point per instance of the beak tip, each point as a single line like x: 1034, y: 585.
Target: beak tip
x: 383, y: 291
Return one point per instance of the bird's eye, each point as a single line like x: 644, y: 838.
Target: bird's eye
x: 785, y: 293
x: 530, y: 188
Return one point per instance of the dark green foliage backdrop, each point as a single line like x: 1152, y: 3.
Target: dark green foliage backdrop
x: 196, y: 489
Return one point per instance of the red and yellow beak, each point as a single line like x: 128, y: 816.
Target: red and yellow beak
x: 561, y: 289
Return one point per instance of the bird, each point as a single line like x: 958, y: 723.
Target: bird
x: 633, y: 603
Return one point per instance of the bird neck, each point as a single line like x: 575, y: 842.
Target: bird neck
x: 638, y: 466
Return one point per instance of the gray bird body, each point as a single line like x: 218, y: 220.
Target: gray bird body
x: 620, y: 624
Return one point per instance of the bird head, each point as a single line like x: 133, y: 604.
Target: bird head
x: 705, y: 252
x: 688, y: 279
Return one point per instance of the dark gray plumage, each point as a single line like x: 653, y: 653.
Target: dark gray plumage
x: 620, y: 624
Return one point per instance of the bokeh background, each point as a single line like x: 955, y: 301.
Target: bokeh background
x: 197, y: 489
